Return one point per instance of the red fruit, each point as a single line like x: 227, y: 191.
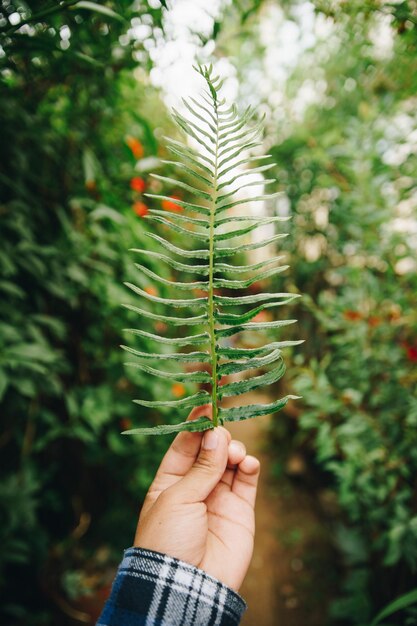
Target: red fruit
x: 352, y: 316
x: 178, y: 390
x: 138, y: 184
x: 160, y: 327
x: 411, y: 352
x: 136, y: 147
x: 151, y: 290
x: 140, y: 209
x: 167, y: 205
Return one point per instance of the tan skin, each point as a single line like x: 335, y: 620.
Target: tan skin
x: 200, y: 506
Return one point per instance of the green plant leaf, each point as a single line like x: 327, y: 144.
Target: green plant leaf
x: 183, y: 357
x: 232, y: 330
x: 236, y: 414
x: 174, y: 284
x: 182, y: 267
x: 234, y: 367
x: 243, y: 386
x: 198, y: 399
x: 176, y: 321
x: 191, y: 302
x: 404, y: 601
x: 190, y: 254
x: 192, y: 426
x: 177, y: 183
x: 223, y: 142
x: 98, y: 8
x: 242, y: 284
x: 187, y: 377
x: 172, y: 341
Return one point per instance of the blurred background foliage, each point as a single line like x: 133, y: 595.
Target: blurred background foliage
x: 81, y: 125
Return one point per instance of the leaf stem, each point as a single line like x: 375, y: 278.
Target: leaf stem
x: 213, y: 346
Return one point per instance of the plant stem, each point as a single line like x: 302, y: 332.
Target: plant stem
x: 211, y: 276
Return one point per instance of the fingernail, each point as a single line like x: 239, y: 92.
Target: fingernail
x: 210, y: 440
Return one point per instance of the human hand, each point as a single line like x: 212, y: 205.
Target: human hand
x: 200, y: 506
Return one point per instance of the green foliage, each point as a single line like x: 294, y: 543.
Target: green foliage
x: 69, y: 483
x: 222, y: 136
x: 406, y: 600
x: 346, y: 169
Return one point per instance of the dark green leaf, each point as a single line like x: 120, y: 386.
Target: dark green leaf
x: 181, y: 357
x: 243, y: 386
x: 198, y: 399
x: 198, y: 425
x: 187, y: 377
x: 171, y: 341
x: 236, y: 414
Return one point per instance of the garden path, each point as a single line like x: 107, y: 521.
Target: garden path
x: 291, y: 574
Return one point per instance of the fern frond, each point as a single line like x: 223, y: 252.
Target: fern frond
x: 214, y: 172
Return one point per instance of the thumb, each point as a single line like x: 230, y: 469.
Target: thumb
x: 207, y: 470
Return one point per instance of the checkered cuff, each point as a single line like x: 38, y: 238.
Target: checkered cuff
x: 154, y: 589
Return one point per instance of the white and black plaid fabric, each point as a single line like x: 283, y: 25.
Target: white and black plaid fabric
x: 153, y: 589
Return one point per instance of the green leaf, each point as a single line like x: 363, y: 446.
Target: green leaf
x: 245, y: 161
x: 185, y: 219
x: 239, y: 232
x: 230, y: 157
x: 190, y: 159
x: 257, y: 297
x: 179, y: 229
x: 187, y: 377
x: 187, y: 127
x: 241, y: 318
x: 189, y: 170
x: 222, y: 136
x: 255, y: 170
x: 249, y: 353
x: 404, y: 601
x: 198, y: 399
x: 251, y: 326
x: 200, y: 117
x: 198, y: 425
x: 98, y: 8
x: 236, y: 414
x: 171, y: 341
x: 198, y: 129
x: 243, y: 386
x: 264, y: 198
x: 190, y: 254
x: 225, y: 252
x: 195, y: 302
x: 175, y: 321
x: 234, y: 367
x: 191, y: 154
x: 181, y: 357
x: 182, y: 267
x: 174, y: 284
x: 197, y: 208
x: 204, y: 110
x: 4, y: 382
x: 239, y: 269
x: 242, y: 284
x: 178, y: 183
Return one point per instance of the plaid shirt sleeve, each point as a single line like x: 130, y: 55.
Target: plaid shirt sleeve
x: 153, y: 589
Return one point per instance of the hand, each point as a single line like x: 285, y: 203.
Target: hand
x: 200, y: 506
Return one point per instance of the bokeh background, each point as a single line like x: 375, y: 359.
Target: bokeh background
x: 85, y: 91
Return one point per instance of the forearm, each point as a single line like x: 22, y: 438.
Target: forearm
x: 156, y: 589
